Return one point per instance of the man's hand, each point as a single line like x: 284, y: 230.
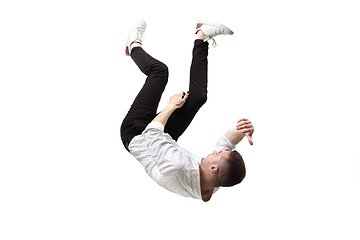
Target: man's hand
x: 178, y: 100
x: 245, y: 126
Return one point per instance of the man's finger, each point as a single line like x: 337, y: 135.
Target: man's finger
x: 183, y: 94
x: 243, y: 125
x: 185, y: 97
x: 242, y: 119
x: 247, y: 130
x: 249, y: 139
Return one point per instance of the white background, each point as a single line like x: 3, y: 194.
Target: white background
x: 292, y: 67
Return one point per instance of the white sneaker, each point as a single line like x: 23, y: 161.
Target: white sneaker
x: 135, y: 35
x: 211, y: 30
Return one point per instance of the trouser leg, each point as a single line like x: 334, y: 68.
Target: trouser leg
x: 182, y: 117
x: 143, y: 110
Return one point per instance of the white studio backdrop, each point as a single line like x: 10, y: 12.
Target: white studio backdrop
x: 292, y: 68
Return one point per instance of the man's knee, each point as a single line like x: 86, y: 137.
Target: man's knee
x: 160, y: 69
x: 199, y: 99
x: 203, y: 99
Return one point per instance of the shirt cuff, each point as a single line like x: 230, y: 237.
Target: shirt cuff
x: 155, y: 125
x: 228, y: 142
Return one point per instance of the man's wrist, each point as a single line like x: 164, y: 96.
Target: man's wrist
x: 171, y: 107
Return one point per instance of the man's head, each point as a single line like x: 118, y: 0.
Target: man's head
x: 224, y: 169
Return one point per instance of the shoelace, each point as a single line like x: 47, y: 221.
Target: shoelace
x: 217, y: 32
x: 214, y: 44
x: 139, y: 34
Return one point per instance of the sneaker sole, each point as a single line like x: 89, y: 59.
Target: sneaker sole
x: 202, y: 22
x: 127, y: 46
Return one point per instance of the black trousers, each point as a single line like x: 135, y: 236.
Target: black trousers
x: 144, y: 108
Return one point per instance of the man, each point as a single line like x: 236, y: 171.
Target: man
x: 151, y: 137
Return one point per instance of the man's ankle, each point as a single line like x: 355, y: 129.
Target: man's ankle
x: 134, y: 44
x: 200, y: 35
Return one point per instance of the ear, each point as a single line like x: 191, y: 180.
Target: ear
x: 214, y: 168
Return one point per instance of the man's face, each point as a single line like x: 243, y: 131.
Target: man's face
x: 216, y: 156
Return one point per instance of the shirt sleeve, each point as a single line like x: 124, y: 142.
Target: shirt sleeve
x: 168, y: 158
x: 224, y: 144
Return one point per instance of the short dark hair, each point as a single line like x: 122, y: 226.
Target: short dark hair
x: 236, y: 170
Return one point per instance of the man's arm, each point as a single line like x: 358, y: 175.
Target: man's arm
x: 176, y: 101
x: 242, y: 129
x: 163, y: 116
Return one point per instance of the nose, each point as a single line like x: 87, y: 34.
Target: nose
x: 215, y: 153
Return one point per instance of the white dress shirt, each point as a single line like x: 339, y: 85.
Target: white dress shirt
x: 171, y: 166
